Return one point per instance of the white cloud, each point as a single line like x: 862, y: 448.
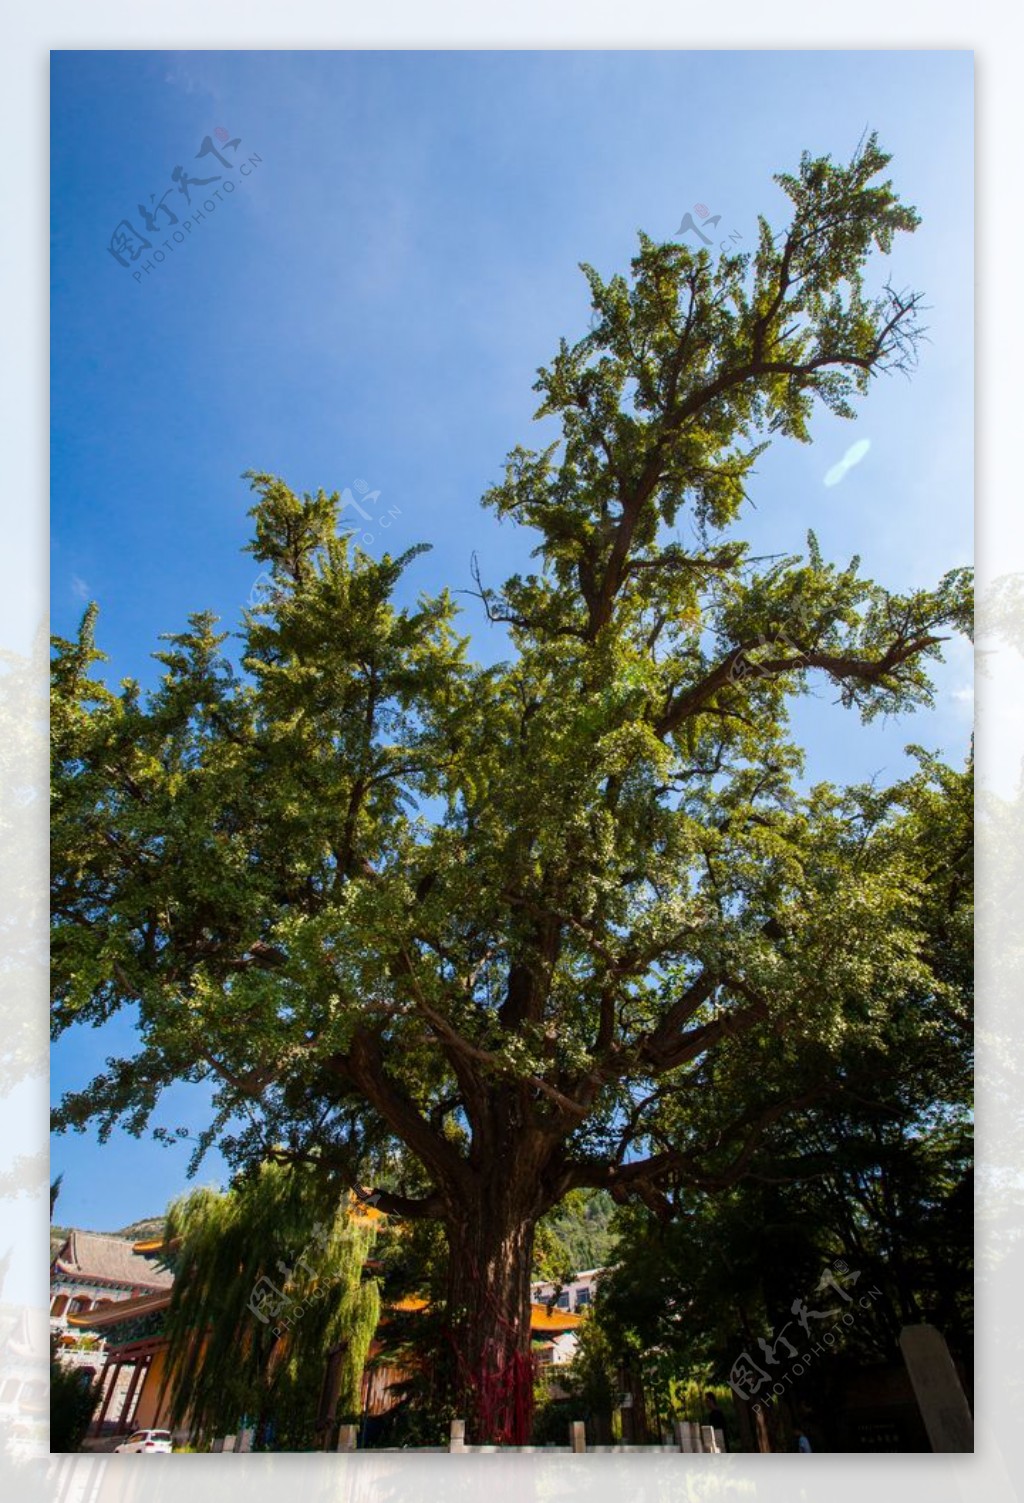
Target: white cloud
x: 854, y: 454
x: 79, y: 588
x: 963, y: 698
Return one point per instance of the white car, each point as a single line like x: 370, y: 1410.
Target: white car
x: 147, y: 1440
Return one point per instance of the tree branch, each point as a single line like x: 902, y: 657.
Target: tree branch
x: 363, y: 1066
x: 866, y: 671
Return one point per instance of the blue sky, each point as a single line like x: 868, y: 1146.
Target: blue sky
x: 371, y: 304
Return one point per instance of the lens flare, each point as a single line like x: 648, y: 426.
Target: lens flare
x: 854, y: 454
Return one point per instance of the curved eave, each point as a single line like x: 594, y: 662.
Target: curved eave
x: 120, y: 1310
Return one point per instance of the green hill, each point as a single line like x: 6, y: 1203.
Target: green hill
x: 576, y: 1235
x: 138, y: 1231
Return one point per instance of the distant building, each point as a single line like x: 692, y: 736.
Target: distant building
x: 574, y: 1296
x: 558, y: 1351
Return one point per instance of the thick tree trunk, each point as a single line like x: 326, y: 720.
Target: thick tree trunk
x: 488, y: 1325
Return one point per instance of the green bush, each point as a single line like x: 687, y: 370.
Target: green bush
x: 73, y: 1400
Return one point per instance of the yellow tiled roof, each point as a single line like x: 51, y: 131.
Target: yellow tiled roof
x: 541, y: 1318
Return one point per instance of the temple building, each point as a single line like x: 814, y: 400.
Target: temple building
x: 92, y: 1270
x: 91, y: 1275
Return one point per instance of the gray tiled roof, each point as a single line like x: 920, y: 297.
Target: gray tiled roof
x: 91, y: 1255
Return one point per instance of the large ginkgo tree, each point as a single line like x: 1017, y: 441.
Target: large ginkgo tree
x: 475, y: 936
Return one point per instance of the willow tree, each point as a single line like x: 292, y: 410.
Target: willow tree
x: 267, y: 1299
x: 500, y: 924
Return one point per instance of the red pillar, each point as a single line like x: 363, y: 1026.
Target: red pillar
x: 112, y: 1368
x: 142, y: 1374
x: 122, y: 1423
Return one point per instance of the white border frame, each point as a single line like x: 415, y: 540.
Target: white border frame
x: 994, y: 33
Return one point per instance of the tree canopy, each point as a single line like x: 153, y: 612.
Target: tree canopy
x: 876, y: 1173
x: 476, y: 936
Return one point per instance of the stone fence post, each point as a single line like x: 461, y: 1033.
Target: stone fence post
x: 940, y: 1396
x: 688, y: 1436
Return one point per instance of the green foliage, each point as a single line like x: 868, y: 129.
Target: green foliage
x: 412, y: 1260
x: 554, y: 1409
x: 230, y: 1355
x: 575, y: 1235
x: 73, y: 1401
x: 876, y: 1173
x: 592, y: 1379
x: 417, y: 1343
